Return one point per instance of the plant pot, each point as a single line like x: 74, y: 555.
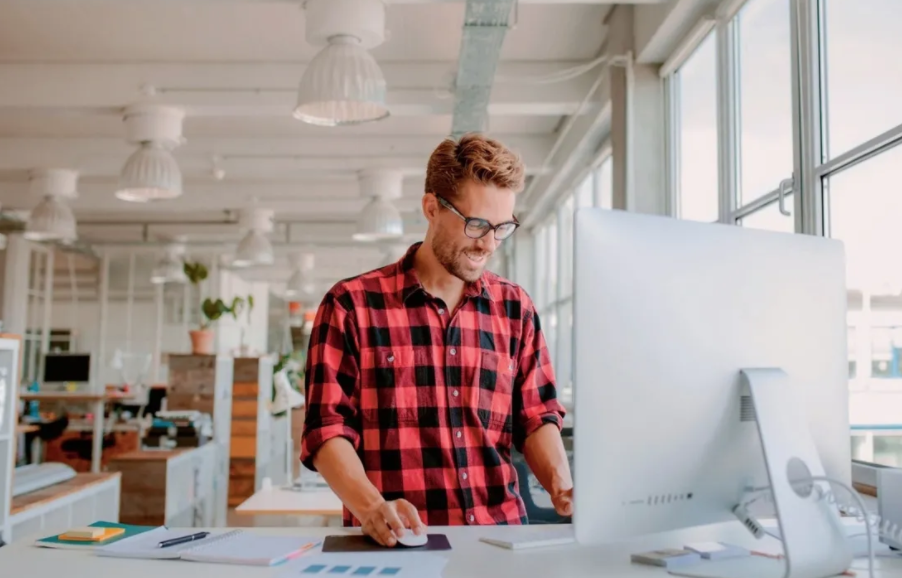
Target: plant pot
x: 201, y: 342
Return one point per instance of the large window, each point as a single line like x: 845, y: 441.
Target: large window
x: 695, y: 92
x: 765, y: 97
x: 860, y: 40
x: 861, y: 149
x: 553, y: 273
x: 798, y: 102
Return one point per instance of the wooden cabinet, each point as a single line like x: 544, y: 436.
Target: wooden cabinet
x: 173, y: 488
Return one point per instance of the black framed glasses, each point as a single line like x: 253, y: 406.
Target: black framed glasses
x: 476, y: 228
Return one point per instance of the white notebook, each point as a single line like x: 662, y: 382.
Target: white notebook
x: 234, y: 547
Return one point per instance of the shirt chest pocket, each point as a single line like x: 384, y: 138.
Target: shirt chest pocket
x: 491, y: 391
x: 390, y: 392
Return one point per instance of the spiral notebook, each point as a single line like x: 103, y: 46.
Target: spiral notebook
x: 233, y: 547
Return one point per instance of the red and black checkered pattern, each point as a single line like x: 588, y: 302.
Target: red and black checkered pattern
x: 431, y: 402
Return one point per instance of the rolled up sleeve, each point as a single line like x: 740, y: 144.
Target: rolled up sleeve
x: 536, y: 400
x: 331, y: 378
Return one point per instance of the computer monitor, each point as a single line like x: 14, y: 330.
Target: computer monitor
x: 67, y: 367
x: 667, y: 313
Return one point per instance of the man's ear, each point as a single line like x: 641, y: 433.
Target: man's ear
x: 430, y: 206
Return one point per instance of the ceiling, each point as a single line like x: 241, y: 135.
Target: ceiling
x: 68, y: 68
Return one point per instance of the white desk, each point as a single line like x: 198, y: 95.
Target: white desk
x: 468, y: 559
x: 282, y: 502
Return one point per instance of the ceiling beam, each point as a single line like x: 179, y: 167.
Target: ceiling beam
x: 252, y: 158
x: 253, y: 90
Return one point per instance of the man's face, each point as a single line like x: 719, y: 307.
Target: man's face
x: 461, y: 255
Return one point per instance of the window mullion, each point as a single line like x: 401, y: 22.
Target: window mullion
x: 809, y: 110
x: 728, y: 107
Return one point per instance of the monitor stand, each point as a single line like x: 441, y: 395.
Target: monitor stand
x: 814, y: 540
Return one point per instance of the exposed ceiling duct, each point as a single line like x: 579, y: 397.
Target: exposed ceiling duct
x: 485, y: 25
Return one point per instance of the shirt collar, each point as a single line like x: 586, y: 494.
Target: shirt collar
x: 408, y: 282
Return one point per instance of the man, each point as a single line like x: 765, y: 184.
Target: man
x: 421, y: 375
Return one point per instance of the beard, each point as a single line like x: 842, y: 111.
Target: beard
x: 457, y: 259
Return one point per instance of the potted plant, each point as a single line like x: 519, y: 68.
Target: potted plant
x: 201, y: 338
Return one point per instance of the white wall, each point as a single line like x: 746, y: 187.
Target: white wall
x: 135, y: 337
x: 228, y: 330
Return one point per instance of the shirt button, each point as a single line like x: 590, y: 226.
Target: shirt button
x: 464, y: 475
x: 391, y: 358
x: 441, y: 311
x: 453, y: 351
x: 455, y: 393
x: 472, y: 518
x: 458, y: 434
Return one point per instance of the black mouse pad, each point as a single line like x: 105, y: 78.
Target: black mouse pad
x: 361, y: 543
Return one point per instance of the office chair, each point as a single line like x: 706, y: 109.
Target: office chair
x: 47, y: 432
x: 535, y: 513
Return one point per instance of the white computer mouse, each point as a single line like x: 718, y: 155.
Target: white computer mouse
x: 411, y: 540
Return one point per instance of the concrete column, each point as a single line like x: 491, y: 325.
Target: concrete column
x: 15, y: 284
x: 637, y: 123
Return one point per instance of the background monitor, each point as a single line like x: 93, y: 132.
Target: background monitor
x: 67, y: 367
x: 666, y: 314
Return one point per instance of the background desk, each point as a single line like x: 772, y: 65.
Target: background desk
x: 468, y: 559
x: 282, y: 503
x: 97, y: 400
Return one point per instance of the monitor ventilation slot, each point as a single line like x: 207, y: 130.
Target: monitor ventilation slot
x: 747, y: 409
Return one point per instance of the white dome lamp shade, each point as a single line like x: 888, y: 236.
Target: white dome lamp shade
x: 301, y: 283
x: 52, y: 219
x: 380, y: 219
x: 171, y: 268
x: 343, y: 84
x: 151, y: 173
x: 254, y: 249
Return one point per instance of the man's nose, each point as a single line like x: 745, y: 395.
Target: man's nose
x: 487, y: 242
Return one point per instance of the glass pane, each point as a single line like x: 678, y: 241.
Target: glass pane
x: 565, y: 222
x: 604, y: 184
x: 771, y: 219
x: 553, y: 261
x: 864, y: 71
x: 863, y: 207
x: 584, y: 193
x: 698, y: 133
x: 541, y: 252
x: 765, y: 93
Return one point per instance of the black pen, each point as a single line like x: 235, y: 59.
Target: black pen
x: 182, y: 540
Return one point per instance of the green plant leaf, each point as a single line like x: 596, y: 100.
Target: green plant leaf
x: 237, y: 306
x: 196, y: 272
x: 213, y: 310
x: 250, y: 303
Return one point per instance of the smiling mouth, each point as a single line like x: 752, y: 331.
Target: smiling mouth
x: 476, y: 258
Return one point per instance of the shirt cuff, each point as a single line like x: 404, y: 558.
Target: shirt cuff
x: 314, y: 439
x: 534, y: 423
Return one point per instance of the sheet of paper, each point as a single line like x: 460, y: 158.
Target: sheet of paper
x: 383, y: 565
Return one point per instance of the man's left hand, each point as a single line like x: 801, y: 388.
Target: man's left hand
x: 563, y: 502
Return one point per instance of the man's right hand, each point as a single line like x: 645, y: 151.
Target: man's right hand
x: 388, y: 521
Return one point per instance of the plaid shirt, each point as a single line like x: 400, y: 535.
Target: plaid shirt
x: 431, y: 401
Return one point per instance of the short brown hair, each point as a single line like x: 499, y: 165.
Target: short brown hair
x: 474, y: 157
